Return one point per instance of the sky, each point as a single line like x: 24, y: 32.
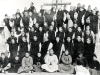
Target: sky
x: 10, y: 6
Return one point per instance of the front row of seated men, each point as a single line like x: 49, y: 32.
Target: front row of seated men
x: 51, y: 64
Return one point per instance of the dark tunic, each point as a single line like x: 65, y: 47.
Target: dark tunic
x: 25, y: 21
x: 78, y: 47
x: 94, y: 23
x: 37, y: 64
x: 34, y: 48
x: 42, y: 12
x: 81, y: 61
x: 89, y: 51
x: 40, y: 21
x: 87, y: 14
x: 31, y: 9
x: 15, y: 64
x: 17, y: 22
x: 69, y: 46
x: 4, y: 63
x: 23, y: 49
x: 13, y: 48
x: 44, y: 48
x: 51, y: 36
x: 95, y: 65
x: 71, y: 13
x: 40, y: 36
x: 6, y: 20
x: 49, y: 18
x: 80, y: 15
x: 60, y: 15
x: 57, y: 48
x: 60, y: 35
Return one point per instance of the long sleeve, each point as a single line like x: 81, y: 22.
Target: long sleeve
x: 70, y: 59
x: 46, y: 60
x: 63, y: 60
x: 23, y: 62
x: 55, y: 60
x: 31, y: 61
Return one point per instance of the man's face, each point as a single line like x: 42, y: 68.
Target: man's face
x: 27, y: 54
x: 88, y: 41
x: 13, y: 41
x: 16, y: 58
x: 68, y: 39
x: 78, y: 38
x: 12, y: 34
x: 57, y: 39
x: 51, y: 52
x: 35, y: 38
x: 3, y: 56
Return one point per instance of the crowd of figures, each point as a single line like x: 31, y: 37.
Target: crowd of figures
x: 50, y: 41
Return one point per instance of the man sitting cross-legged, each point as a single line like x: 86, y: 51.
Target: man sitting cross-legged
x: 27, y: 64
x: 51, y: 62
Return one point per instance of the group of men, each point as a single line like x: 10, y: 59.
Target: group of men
x: 55, y: 38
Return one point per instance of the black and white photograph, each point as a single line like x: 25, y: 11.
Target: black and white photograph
x: 49, y: 37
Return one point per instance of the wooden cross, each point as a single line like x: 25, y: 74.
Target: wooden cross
x: 56, y: 4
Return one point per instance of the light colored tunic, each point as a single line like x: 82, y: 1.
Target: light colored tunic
x: 27, y: 65
x: 51, y: 63
x: 80, y: 70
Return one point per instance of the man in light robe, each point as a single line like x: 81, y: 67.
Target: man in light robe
x: 51, y: 62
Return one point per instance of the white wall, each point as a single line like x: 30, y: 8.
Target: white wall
x: 9, y: 6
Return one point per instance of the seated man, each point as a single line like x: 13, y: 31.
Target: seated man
x: 27, y: 64
x: 51, y: 62
x: 37, y: 62
x: 81, y: 65
x: 95, y: 66
x: 4, y: 63
x: 15, y: 64
x: 66, y: 66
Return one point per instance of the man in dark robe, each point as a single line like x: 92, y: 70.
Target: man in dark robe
x: 17, y: 21
x: 5, y: 65
x: 40, y: 20
x: 13, y: 48
x: 51, y: 34
x: 25, y: 21
x: 49, y: 18
x: 45, y: 47
x: 32, y: 33
x: 94, y: 22
x: 40, y: 35
x: 69, y: 46
x: 60, y: 16
x: 64, y: 10
x: 57, y: 47
x: 89, y: 48
x: 31, y: 7
x: 78, y: 46
x: 42, y: 11
x: 80, y: 15
x: 60, y: 34
x: 6, y: 20
x: 35, y: 47
x: 23, y: 47
x: 71, y: 13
